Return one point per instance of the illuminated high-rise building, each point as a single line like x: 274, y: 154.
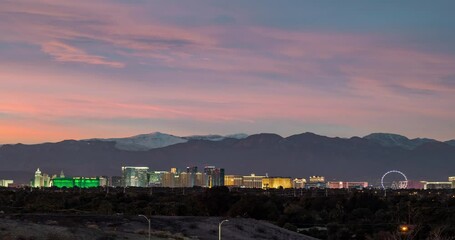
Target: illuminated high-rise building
x: 192, y: 171
x: 213, y: 176
x: 414, y: 184
x: 45, y: 180
x: 276, y: 182
x: 347, y: 185
x: 134, y: 176
x: 233, y: 180
x: 104, y: 181
x: 253, y: 181
x: 436, y: 185
x: 298, y: 183
x: 156, y: 178
x: 168, y: 180
x: 316, y: 182
x: 116, y: 181
x: 37, y: 182
x: 41, y: 179
x: 335, y: 185
x: 5, y: 183
x: 200, y: 179
x: 80, y: 182
x: 86, y: 182
x: 452, y: 180
x: 64, y: 182
x: 190, y: 177
x: 317, y: 179
x: 174, y: 178
x: 185, y: 179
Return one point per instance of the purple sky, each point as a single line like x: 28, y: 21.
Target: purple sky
x: 84, y: 69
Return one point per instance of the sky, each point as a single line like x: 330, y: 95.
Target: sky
x: 85, y: 69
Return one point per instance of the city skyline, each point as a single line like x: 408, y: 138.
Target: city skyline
x: 144, y: 177
x: 113, y: 69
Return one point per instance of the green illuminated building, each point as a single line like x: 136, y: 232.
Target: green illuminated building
x: 63, y: 182
x: 80, y: 182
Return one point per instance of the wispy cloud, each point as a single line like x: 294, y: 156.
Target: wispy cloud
x: 53, y: 25
x: 161, y: 62
x: 66, y: 53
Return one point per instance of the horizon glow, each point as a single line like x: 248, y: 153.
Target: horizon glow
x: 103, y: 69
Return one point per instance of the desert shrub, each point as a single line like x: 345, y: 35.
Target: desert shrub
x: 193, y: 226
x: 290, y: 226
x: 257, y: 236
x: 260, y: 230
x: 21, y: 237
x: 55, y: 236
x: 106, y: 238
x: 239, y: 226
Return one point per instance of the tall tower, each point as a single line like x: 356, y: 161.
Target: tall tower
x: 38, y: 179
x: 191, y: 176
x: 214, y: 176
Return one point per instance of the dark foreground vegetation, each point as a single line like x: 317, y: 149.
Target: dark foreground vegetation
x: 333, y: 214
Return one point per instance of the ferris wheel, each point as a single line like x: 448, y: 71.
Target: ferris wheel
x: 395, y: 185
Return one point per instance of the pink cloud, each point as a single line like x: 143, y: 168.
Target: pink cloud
x: 239, y: 74
x: 46, y: 111
x: 141, y: 41
x: 115, y: 28
x: 66, y: 53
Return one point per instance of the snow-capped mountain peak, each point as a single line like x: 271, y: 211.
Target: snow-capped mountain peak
x: 395, y: 140
x: 145, y: 142
x: 215, y: 137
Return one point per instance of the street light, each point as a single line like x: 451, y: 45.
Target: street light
x: 219, y: 228
x: 148, y: 220
x: 404, y: 228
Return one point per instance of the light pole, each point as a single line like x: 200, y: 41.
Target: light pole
x: 219, y: 228
x: 148, y: 220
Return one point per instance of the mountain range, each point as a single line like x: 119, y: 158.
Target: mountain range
x: 299, y: 155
